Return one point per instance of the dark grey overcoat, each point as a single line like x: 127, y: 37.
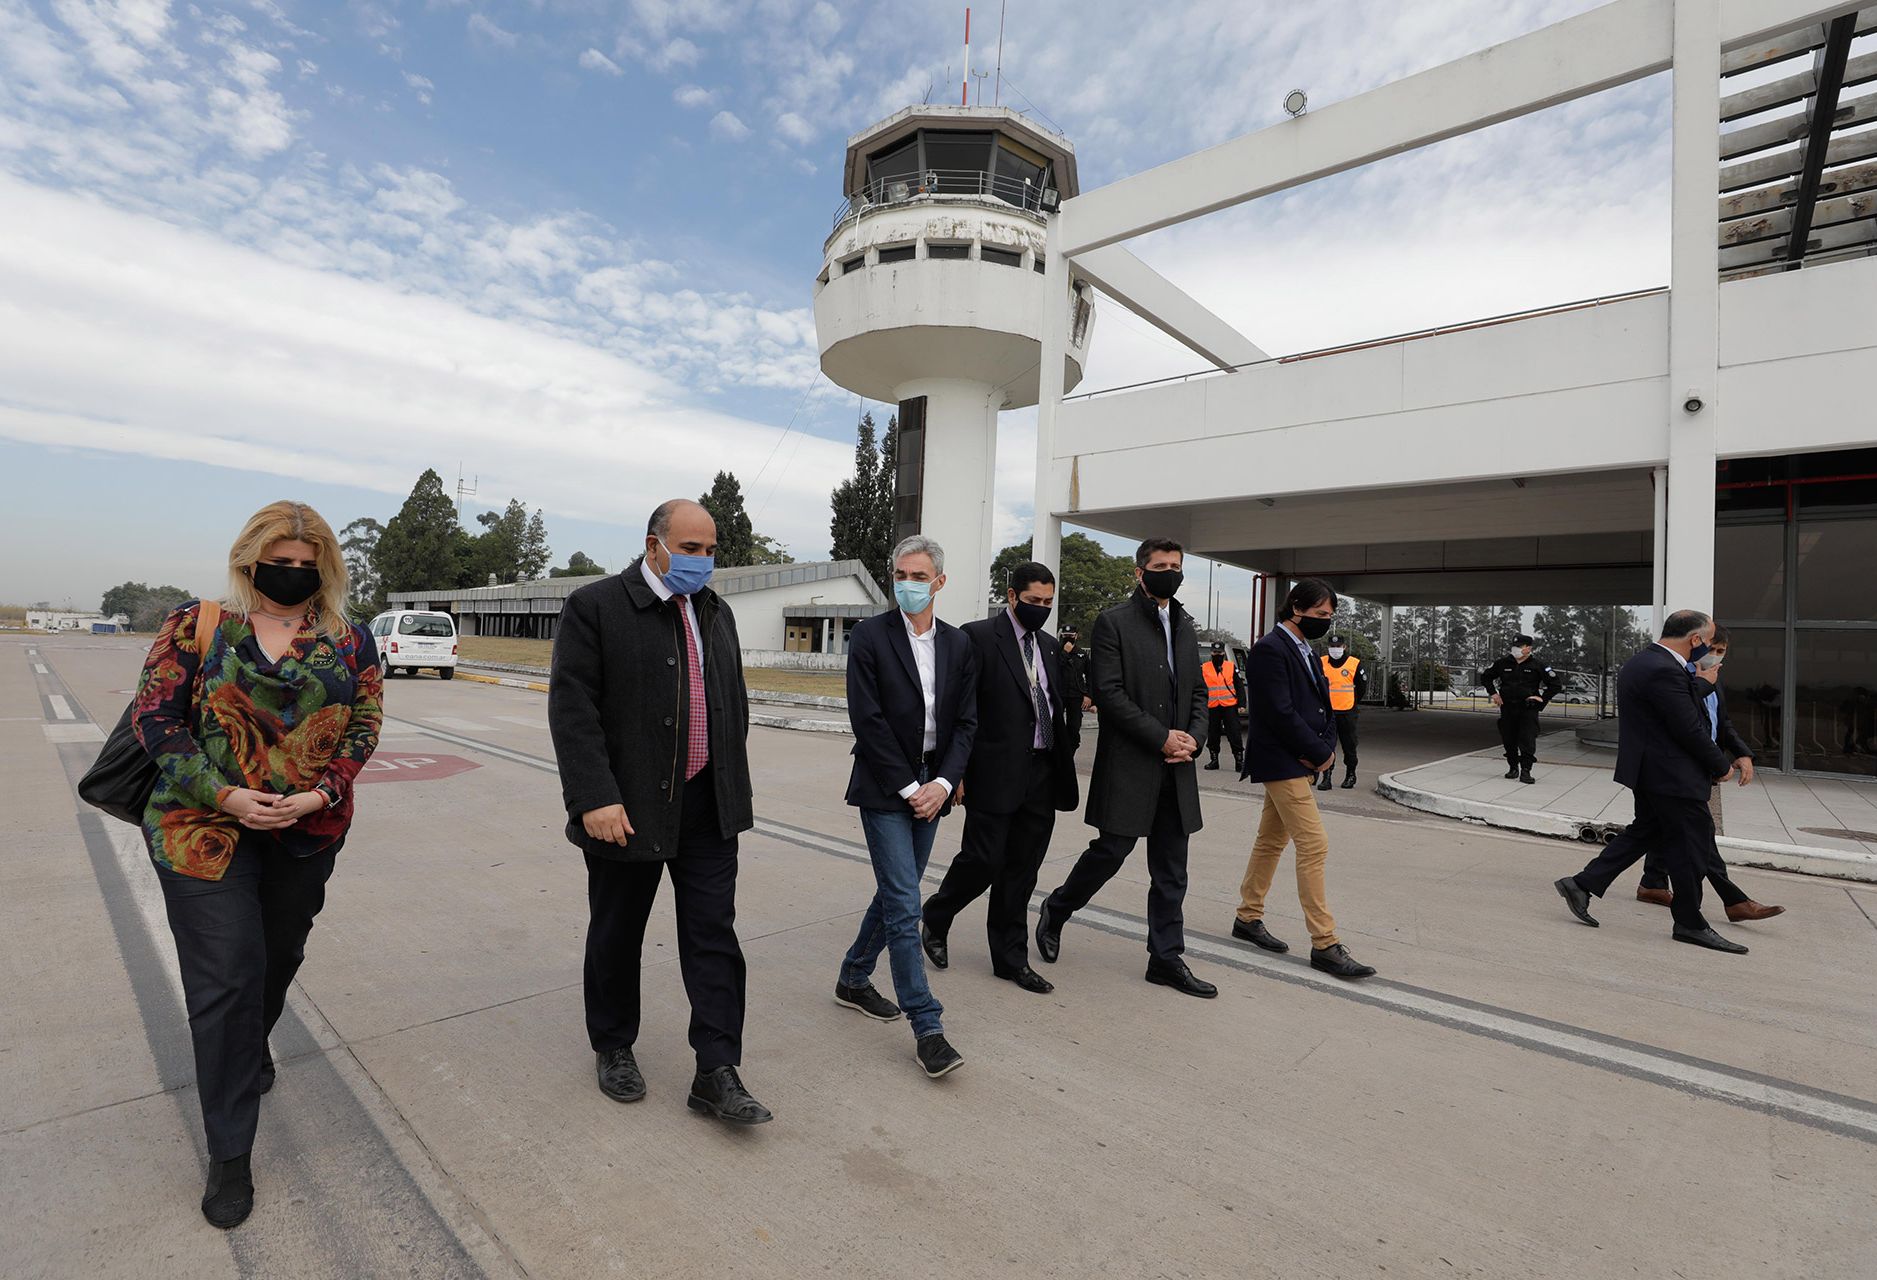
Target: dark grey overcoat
x: 1139, y: 701
x: 617, y: 708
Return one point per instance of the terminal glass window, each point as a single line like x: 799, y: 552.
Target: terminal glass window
x: 960, y: 161
x: 1750, y: 573
x: 1753, y: 679
x: 889, y: 169
x: 1021, y: 174
x: 1835, y: 708
x: 1837, y: 570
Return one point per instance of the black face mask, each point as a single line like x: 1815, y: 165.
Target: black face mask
x: 1313, y: 628
x: 284, y: 584
x: 1030, y: 617
x: 1162, y: 584
x: 1218, y: 661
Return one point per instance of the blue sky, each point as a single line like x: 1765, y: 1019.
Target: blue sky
x: 261, y: 248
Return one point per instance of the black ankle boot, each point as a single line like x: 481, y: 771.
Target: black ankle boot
x: 229, y: 1197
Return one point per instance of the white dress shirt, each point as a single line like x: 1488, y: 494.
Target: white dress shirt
x: 657, y: 584
x: 925, y: 658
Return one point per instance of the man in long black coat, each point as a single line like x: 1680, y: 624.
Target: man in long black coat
x: 649, y: 717
x: 1144, y: 677
x: 1022, y: 771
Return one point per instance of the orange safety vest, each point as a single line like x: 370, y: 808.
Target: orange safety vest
x: 1342, y: 681
x: 1221, y: 684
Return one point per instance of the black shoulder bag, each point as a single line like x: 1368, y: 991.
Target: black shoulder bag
x: 120, y: 781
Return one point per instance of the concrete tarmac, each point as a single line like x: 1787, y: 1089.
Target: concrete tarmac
x: 1515, y: 1096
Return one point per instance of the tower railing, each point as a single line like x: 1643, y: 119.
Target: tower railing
x: 941, y: 185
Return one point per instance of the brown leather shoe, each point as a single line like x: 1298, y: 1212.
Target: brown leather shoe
x: 1661, y: 897
x: 1751, y: 910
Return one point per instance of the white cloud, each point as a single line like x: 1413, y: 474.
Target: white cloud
x: 693, y: 96
x: 725, y: 124
x: 594, y: 60
x: 794, y: 128
x: 422, y: 85
x: 677, y: 53
x: 211, y: 352
x: 483, y: 28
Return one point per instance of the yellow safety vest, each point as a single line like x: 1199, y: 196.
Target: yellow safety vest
x: 1221, y: 687
x: 1342, y: 682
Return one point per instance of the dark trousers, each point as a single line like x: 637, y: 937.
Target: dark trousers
x: 1681, y: 831
x: 1713, y: 866
x: 239, y: 941
x: 1225, y: 718
x: 1346, y: 737
x: 619, y: 901
x: 1518, y: 730
x: 1166, y: 869
x: 1001, y: 852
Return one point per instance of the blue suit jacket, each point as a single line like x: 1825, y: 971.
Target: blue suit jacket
x: 1663, y: 742
x: 886, y: 707
x: 1291, y: 720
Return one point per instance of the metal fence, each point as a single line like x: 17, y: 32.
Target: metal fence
x: 1587, y: 695
x: 1018, y: 193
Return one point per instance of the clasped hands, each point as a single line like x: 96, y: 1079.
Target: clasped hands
x: 1179, y: 747
x: 265, y: 811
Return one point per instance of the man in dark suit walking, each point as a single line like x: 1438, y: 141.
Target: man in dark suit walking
x: 1655, y: 886
x: 1022, y: 770
x: 1144, y: 677
x: 650, y: 718
x: 1667, y: 757
x: 1290, y: 742
x: 912, y: 698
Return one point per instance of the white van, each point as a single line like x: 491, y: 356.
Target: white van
x: 410, y: 638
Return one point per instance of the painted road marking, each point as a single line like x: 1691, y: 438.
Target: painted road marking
x: 461, y: 726
x: 61, y: 709
x: 412, y: 768
x: 73, y: 733
x: 526, y: 722
x: 39, y: 668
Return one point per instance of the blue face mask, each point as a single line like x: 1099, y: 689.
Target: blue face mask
x: 688, y: 574
x: 1697, y: 653
x: 913, y: 597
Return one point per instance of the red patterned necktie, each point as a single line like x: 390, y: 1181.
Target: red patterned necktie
x: 697, y: 739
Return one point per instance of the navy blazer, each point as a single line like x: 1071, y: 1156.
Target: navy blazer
x: 886, y: 707
x: 1663, y: 743
x: 998, y: 776
x: 1291, y: 720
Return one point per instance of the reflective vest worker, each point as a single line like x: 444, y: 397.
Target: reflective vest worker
x: 1349, y: 685
x: 1342, y: 678
x: 1221, y: 681
x: 1221, y: 706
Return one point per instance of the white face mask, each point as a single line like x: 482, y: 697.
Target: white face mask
x: 1709, y: 661
x: 1518, y: 653
x: 1337, y: 652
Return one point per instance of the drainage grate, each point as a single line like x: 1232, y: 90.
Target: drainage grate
x: 1840, y: 833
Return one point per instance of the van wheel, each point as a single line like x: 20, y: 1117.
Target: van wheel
x: 448, y: 673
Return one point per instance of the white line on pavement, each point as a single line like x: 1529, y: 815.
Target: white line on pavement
x: 461, y: 726
x: 61, y: 709
x: 39, y: 669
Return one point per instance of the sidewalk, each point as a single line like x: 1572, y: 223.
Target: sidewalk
x: 1825, y: 827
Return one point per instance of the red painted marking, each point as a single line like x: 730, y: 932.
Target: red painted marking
x: 385, y: 768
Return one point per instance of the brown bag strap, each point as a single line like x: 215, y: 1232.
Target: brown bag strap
x: 209, y: 612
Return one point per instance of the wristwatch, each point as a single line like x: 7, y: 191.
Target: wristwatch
x: 332, y: 796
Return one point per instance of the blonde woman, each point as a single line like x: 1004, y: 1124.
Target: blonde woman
x: 259, y: 716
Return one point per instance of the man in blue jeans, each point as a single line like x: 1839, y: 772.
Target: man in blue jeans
x: 912, y: 697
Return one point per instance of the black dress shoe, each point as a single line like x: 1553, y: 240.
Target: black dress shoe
x: 721, y: 1094
x: 935, y: 948
x: 619, y: 1075
x: 1213, y: 763
x: 1323, y: 781
x: 267, y: 1070
x: 228, y: 1198
x: 865, y: 999
x: 1578, y: 900
x: 1175, y: 974
x: 1525, y: 775
x: 1709, y: 939
x: 1257, y: 935
x: 1048, y: 933
x: 1030, y: 980
x: 1349, y: 780
x: 1512, y: 771
x: 936, y: 1055
x: 1336, y: 960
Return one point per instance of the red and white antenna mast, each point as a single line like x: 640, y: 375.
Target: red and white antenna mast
x: 964, y: 84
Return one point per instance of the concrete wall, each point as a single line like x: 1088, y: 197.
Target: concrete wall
x: 759, y: 619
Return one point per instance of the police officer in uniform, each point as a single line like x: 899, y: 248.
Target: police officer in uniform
x: 1222, y: 703
x: 1074, y: 664
x: 1521, y: 686
x: 1349, y: 685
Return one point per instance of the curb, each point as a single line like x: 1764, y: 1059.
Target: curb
x: 1805, y: 859
x: 801, y: 726
x: 508, y: 682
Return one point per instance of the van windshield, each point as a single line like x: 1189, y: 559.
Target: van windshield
x: 425, y: 625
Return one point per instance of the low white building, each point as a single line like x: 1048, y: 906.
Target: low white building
x: 798, y: 608
x: 75, y: 620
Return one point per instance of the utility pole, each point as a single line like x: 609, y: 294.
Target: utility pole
x: 464, y: 489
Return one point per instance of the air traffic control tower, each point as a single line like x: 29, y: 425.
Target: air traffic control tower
x: 932, y: 296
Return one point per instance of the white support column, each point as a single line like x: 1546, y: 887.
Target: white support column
x: 827, y: 635
x: 1659, y: 552
x: 1693, y: 309
x: 1046, y: 538
x: 960, y: 470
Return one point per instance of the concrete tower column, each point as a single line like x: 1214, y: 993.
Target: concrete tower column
x: 1693, y: 308
x: 1046, y: 538
x: 960, y: 468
